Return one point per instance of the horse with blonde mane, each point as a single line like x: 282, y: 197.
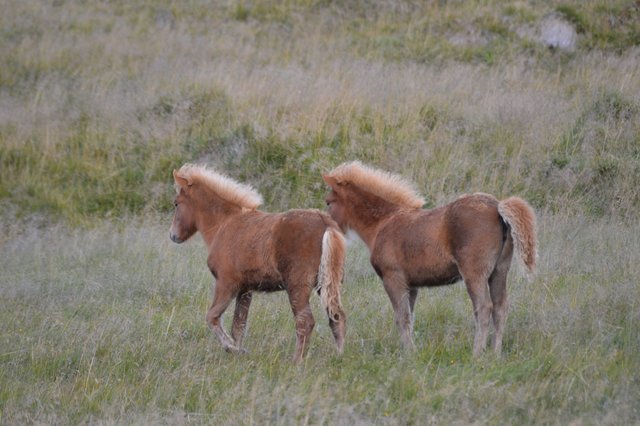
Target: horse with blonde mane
x: 250, y: 250
x: 471, y: 238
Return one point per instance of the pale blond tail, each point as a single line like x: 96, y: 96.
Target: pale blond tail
x: 331, y: 271
x: 522, y: 220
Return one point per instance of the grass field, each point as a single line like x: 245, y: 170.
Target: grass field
x: 102, y: 317
x: 108, y: 325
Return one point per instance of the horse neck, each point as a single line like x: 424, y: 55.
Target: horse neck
x: 210, y: 220
x: 367, y: 219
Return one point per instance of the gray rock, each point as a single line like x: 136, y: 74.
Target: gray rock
x: 557, y: 33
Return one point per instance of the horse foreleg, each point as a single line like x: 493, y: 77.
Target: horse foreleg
x: 401, y: 300
x: 243, y: 302
x: 221, y: 299
x: 304, y: 321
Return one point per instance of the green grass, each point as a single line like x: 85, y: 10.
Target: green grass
x: 108, y: 325
x: 102, y: 319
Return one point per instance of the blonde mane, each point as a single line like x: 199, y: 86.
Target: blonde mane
x: 226, y: 188
x: 390, y: 187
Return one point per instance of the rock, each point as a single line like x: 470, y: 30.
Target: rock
x: 556, y: 33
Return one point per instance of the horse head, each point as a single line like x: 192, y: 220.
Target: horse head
x: 183, y: 225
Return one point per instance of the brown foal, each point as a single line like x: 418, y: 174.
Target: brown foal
x: 472, y: 238
x: 250, y: 250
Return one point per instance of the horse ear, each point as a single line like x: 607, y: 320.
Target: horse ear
x: 330, y: 181
x: 181, y: 180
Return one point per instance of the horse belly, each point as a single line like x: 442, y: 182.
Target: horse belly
x: 261, y: 280
x: 434, y: 277
x: 268, y: 286
x: 435, y: 281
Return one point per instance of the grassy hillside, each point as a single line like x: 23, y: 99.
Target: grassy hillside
x: 99, y: 101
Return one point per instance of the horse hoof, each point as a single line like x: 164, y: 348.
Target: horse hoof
x: 236, y: 350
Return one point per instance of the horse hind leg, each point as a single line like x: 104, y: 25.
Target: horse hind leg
x: 413, y: 295
x: 338, y: 328
x: 498, y: 291
x: 243, y: 302
x: 221, y: 299
x: 299, y: 299
x: 482, y: 308
x: 478, y: 289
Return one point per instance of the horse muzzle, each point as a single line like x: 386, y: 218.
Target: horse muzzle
x: 175, y: 238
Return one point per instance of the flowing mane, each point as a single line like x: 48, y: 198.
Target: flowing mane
x: 230, y: 190
x: 385, y: 185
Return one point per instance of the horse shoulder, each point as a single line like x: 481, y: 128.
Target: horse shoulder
x: 242, y: 248
x: 392, y: 236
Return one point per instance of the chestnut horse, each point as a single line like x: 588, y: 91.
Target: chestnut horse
x: 250, y: 250
x: 472, y: 239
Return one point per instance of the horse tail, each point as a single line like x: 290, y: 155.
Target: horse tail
x: 331, y: 271
x: 520, y: 217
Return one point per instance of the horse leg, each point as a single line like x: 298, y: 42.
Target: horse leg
x: 498, y: 291
x: 413, y: 295
x: 477, y: 284
x: 400, y: 298
x: 299, y: 299
x: 221, y: 299
x: 243, y: 302
x: 338, y: 328
x: 479, y: 293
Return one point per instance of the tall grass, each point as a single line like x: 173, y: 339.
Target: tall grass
x: 108, y: 325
